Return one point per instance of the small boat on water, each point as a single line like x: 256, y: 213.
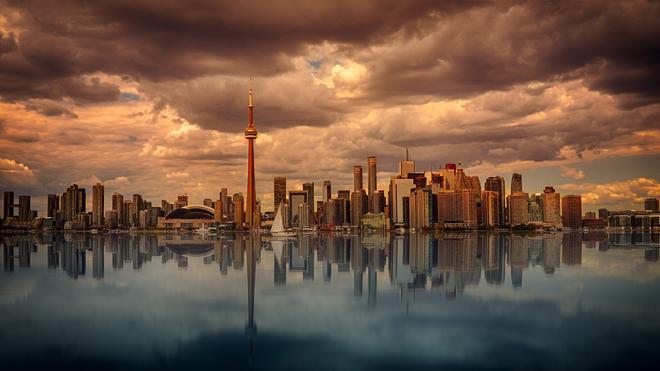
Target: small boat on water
x: 278, y: 230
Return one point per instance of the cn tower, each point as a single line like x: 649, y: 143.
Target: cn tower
x: 251, y: 135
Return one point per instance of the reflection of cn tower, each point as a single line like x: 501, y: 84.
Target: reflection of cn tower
x: 251, y: 325
x: 250, y: 135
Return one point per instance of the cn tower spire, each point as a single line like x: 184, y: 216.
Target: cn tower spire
x: 251, y: 134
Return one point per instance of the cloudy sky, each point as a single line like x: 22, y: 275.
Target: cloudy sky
x: 150, y: 96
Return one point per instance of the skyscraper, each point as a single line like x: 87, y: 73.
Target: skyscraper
x: 279, y: 191
x: 357, y: 178
x: 327, y: 191
x: 518, y: 210
x: 98, y: 195
x: 371, y: 175
x: 8, y: 206
x: 516, y: 183
x: 571, y: 211
x: 53, y: 205
x: 406, y: 166
x: 551, y: 206
x: 251, y: 135
x: 24, y: 208
x: 496, y: 184
x: 309, y: 187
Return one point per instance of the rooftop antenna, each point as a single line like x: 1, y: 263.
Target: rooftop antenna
x: 407, y: 158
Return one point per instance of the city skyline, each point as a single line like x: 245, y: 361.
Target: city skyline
x: 168, y: 119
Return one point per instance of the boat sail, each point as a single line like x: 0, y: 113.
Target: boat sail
x: 278, y: 226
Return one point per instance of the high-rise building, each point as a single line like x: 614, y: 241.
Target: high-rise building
x: 126, y: 216
x: 496, y: 184
x: 24, y: 208
x: 251, y: 136
x: 357, y: 207
x: 474, y: 183
x: 458, y: 206
x: 551, y: 207
x: 218, y: 216
x: 98, y: 195
x: 651, y: 204
x: 309, y: 187
x: 295, y: 199
x: 571, y: 211
x: 181, y: 201
x: 8, y: 206
x: 327, y: 190
x: 421, y: 208
x: 239, y: 215
x: 406, y: 166
x: 535, y: 207
x: 74, y: 202
x: 225, y: 201
x: 516, y: 183
x: 518, y: 208
x: 490, y: 206
x: 357, y: 178
x: 82, y: 200
x: 279, y: 191
x: 371, y: 175
x: 208, y: 202
x: 53, y: 205
x: 399, y: 193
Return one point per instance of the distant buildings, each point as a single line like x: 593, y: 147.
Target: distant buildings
x: 651, y: 204
x: 518, y: 208
x: 516, y: 183
x: 98, y: 195
x: 496, y: 184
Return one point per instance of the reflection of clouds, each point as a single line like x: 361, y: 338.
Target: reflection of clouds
x: 160, y: 309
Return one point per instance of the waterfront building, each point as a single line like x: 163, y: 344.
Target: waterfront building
x: 490, y: 202
x: 421, y: 208
x: 189, y: 217
x: 279, y: 191
x: 496, y: 184
x: 358, y: 207
x: 111, y: 218
x: 571, y: 211
x: 218, y: 207
x: 98, y: 199
x: 327, y: 190
x: 399, y: 192
x: 24, y: 208
x: 357, y: 178
x: 53, y: 205
x: 551, y: 207
x: 296, y: 198
x: 535, y: 208
x: 518, y: 208
x: 8, y: 205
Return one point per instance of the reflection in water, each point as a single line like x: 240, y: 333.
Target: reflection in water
x: 412, y: 276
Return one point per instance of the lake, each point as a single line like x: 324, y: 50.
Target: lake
x: 487, y: 301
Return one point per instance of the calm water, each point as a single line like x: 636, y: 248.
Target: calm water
x: 462, y: 301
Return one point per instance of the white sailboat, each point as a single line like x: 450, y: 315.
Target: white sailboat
x: 278, y: 229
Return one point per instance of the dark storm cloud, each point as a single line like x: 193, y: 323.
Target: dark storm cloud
x: 612, y: 45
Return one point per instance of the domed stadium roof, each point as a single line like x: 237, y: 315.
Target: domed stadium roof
x: 192, y: 212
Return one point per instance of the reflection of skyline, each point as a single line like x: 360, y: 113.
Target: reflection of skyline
x: 445, y: 264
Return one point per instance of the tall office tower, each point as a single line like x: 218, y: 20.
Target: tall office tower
x: 551, y: 206
x: 309, y: 187
x: 225, y: 201
x: 73, y: 200
x: 98, y: 195
x: 571, y: 211
x: 138, y: 202
x: 111, y: 218
x: 24, y: 208
x: 181, y: 201
x: 535, y: 207
x: 496, y: 184
x: 218, y: 211
x: 406, y: 167
x: 82, y: 200
x: 238, y: 212
x: 371, y: 175
x: 208, y: 203
x: 304, y: 213
x: 125, y: 217
x: 399, y: 189
x: 357, y: 208
x: 516, y: 183
x: 279, y: 191
x: 296, y: 198
x: 53, y: 205
x: 118, y: 205
x: 651, y: 204
x: 518, y: 208
x: 8, y: 206
x: 357, y: 178
x: 490, y: 208
x: 345, y: 194
x: 327, y: 190
x: 421, y: 208
x: 251, y: 136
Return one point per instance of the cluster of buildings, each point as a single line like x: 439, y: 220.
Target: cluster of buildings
x: 445, y: 198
